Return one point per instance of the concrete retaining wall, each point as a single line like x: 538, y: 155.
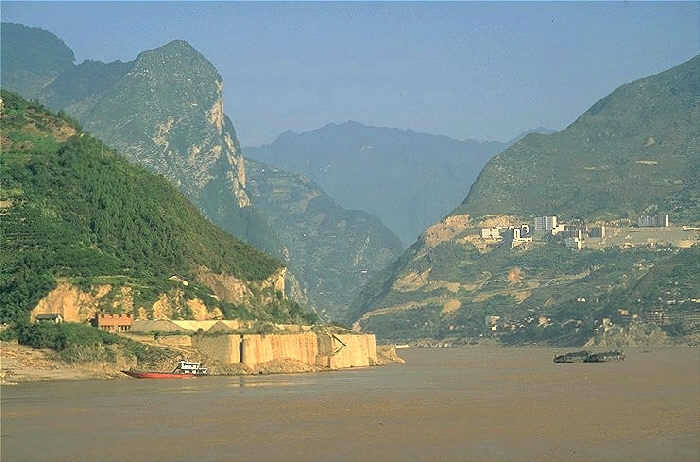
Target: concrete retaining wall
x: 338, y: 351
x: 265, y: 348
x: 225, y: 348
x: 326, y: 350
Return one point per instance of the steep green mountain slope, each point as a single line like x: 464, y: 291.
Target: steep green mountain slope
x: 419, y: 177
x: 74, y: 211
x: 164, y: 110
x: 635, y: 151
x: 338, y: 249
x: 31, y: 58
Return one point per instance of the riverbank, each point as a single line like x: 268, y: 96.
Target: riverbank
x: 23, y: 364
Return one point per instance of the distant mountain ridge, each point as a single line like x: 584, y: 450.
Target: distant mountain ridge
x: 164, y: 110
x: 31, y: 58
x: 540, y: 130
x: 407, y: 179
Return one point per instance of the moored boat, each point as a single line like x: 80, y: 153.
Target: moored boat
x: 183, y: 370
x: 588, y: 357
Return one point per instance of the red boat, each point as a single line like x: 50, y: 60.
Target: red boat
x: 183, y: 370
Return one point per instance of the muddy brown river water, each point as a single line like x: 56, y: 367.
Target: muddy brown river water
x: 442, y: 405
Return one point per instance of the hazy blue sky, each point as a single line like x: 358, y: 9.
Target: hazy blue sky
x: 467, y: 70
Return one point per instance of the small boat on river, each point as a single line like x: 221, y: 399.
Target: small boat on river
x: 183, y: 370
x: 588, y: 357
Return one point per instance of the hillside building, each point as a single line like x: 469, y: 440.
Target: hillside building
x: 518, y: 237
x: 546, y: 223
x: 491, y: 233
x: 52, y: 318
x: 112, y: 322
x: 653, y: 221
x: 573, y: 243
x: 492, y: 320
x: 560, y: 228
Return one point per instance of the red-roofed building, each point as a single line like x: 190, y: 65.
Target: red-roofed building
x: 113, y: 322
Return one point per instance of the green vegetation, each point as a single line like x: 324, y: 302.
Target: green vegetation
x: 671, y: 279
x: 635, y: 151
x: 574, y: 289
x: 61, y: 336
x: 73, y: 208
x: 161, y: 111
x: 83, y: 343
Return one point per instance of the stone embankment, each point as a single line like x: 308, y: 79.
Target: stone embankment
x: 318, y: 349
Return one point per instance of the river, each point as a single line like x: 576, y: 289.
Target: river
x: 442, y: 405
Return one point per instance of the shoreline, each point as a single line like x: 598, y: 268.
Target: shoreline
x: 21, y: 364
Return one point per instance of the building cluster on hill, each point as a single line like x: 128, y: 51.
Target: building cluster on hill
x: 515, y: 235
x: 571, y: 234
x: 496, y: 323
x: 653, y: 221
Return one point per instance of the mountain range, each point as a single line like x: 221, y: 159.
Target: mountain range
x: 634, y: 152
x: 164, y: 110
x: 336, y: 248
x: 419, y: 177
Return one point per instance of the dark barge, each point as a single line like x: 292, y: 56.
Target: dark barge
x: 588, y: 357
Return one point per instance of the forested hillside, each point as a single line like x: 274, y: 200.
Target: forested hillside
x: 165, y: 111
x: 74, y: 210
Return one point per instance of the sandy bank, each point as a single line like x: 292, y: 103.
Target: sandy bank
x: 22, y: 364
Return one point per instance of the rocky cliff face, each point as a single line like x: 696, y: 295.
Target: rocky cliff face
x: 167, y: 113
x: 331, y: 250
x: 164, y: 110
x: 174, y: 302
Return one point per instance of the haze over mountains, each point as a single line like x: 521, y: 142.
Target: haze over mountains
x: 408, y: 179
x: 634, y: 152
x: 332, y: 250
x: 164, y: 110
